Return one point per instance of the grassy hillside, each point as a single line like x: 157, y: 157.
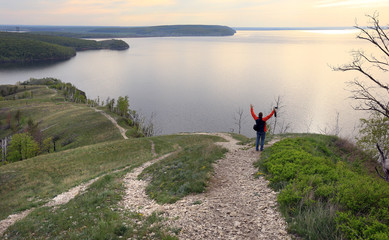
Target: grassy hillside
x: 325, y: 190
x: 26, y: 47
x: 94, y: 214
x: 73, y: 124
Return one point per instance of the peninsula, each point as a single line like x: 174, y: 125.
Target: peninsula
x: 28, y: 47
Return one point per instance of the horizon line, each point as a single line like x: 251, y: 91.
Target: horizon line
x: 236, y: 28
x: 293, y: 28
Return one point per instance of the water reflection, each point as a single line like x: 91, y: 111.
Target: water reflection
x: 198, y: 83
x: 337, y: 31
x: 29, y: 65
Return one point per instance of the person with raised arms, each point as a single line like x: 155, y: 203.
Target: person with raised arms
x: 260, y: 126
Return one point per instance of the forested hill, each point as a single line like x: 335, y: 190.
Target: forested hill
x: 169, y: 30
x: 126, y: 32
x: 28, y: 47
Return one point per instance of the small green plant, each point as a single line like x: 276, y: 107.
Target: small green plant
x: 198, y: 202
x: 183, y: 173
x: 322, y: 195
x: 243, y: 140
x: 92, y: 215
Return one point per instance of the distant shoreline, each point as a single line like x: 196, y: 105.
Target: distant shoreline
x: 123, y: 32
x: 289, y: 28
x: 102, y: 32
x: 21, y: 28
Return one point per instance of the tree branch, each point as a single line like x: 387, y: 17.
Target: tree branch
x: 373, y: 96
x: 373, y: 104
x: 371, y: 37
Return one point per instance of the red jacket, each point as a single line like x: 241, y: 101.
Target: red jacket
x: 263, y: 119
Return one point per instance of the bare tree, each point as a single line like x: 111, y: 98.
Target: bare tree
x: 284, y: 127
x: 148, y: 128
x: 279, y: 106
x: 278, y: 123
x: 335, y: 130
x: 238, y: 118
x: 372, y: 92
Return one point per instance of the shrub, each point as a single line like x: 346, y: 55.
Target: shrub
x: 314, y: 179
x: 22, y: 146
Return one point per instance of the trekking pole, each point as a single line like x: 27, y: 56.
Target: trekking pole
x: 275, y: 112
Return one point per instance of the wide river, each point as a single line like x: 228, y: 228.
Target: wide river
x: 194, y: 84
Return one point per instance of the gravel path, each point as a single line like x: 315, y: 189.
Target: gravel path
x: 235, y: 206
x: 122, y: 130
x: 11, y: 219
x: 65, y: 197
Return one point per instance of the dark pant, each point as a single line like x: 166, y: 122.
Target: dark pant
x: 260, y: 136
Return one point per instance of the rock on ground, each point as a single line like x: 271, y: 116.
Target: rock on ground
x: 236, y: 205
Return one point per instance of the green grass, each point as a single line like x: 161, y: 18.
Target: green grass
x: 185, y: 172
x: 131, y: 132
x: 75, y: 124
x: 90, y: 146
x: 34, y: 181
x: 326, y: 192
x: 316, y: 222
x: 92, y: 215
x: 95, y: 214
x: 243, y: 140
x: 91, y: 127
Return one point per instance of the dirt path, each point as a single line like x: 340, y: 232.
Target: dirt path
x: 60, y: 199
x: 11, y: 219
x: 122, y: 130
x: 65, y: 197
x: 235, y: 206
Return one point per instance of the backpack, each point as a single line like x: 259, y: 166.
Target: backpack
x: 260, y: 125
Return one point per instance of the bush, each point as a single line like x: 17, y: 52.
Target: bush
x: 22, y: 146
x: 314, y: 179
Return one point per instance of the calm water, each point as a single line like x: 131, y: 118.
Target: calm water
x: 199, y: 83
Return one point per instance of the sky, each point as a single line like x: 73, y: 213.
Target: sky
x: 233, y: 13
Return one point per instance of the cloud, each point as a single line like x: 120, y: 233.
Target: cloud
x: 120, y: 3
x: 156, y: 12
x: 96, y: 11
x: 352, y: 3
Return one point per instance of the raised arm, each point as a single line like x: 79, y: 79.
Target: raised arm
x: 269, y: 116
x: 252, y: 112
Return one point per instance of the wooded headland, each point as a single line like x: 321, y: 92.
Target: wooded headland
x: 28, y: 47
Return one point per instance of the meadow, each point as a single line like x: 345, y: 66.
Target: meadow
x: 73, y: 124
